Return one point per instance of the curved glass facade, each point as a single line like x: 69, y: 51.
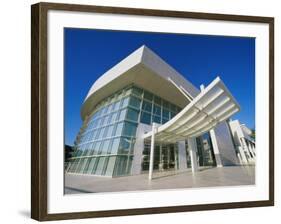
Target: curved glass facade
x: 104, y: 146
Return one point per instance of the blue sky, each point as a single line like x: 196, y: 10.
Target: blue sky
x: 199, y: 58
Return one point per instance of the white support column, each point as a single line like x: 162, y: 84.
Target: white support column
x: 182, y: 155
x: 192, y: 147
x: 152, y: 151
x: 138, y: 148
x: 161, y: 158
x: 176, y: 157
x: 168, y: 156
x: 216, y: 148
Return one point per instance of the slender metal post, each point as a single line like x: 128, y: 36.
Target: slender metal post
x: 152, y: 151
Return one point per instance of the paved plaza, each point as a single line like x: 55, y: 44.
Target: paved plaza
x: 206, y: 177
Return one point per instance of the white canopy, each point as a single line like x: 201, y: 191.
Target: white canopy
x: 214, y: 104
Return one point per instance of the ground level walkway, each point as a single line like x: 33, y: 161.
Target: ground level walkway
x: 207, y: 177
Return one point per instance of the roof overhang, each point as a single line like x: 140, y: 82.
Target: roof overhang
x: 212, y: 106
x: 145, y: 69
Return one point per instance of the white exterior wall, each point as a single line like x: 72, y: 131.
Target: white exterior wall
x: 147, y: 70
x: 182, y: 155
x: 159, y: 66
x: 216, y: 148
x: 225, y: 145
x: 240, y: 133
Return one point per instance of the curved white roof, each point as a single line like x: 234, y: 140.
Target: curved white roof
x: 213, y: 105
x: 145, y: 69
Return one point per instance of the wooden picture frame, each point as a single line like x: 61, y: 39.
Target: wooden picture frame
x: 39, y: 109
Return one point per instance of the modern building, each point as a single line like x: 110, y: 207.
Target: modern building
x: 244, y: 143
x: 142, y: 116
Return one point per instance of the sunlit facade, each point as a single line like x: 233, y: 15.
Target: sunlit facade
x: 105, y: 144
x: 120, y: 109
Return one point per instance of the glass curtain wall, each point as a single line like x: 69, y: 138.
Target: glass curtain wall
x: 105, y: 142
x: 156, y: 109
x: 165, y: 157
x: 104, y: 145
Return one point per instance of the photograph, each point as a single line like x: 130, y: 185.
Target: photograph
x: 147, y: 111
x: 141, y: 111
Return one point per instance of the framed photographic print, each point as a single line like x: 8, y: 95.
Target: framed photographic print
x: 139, y: 111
